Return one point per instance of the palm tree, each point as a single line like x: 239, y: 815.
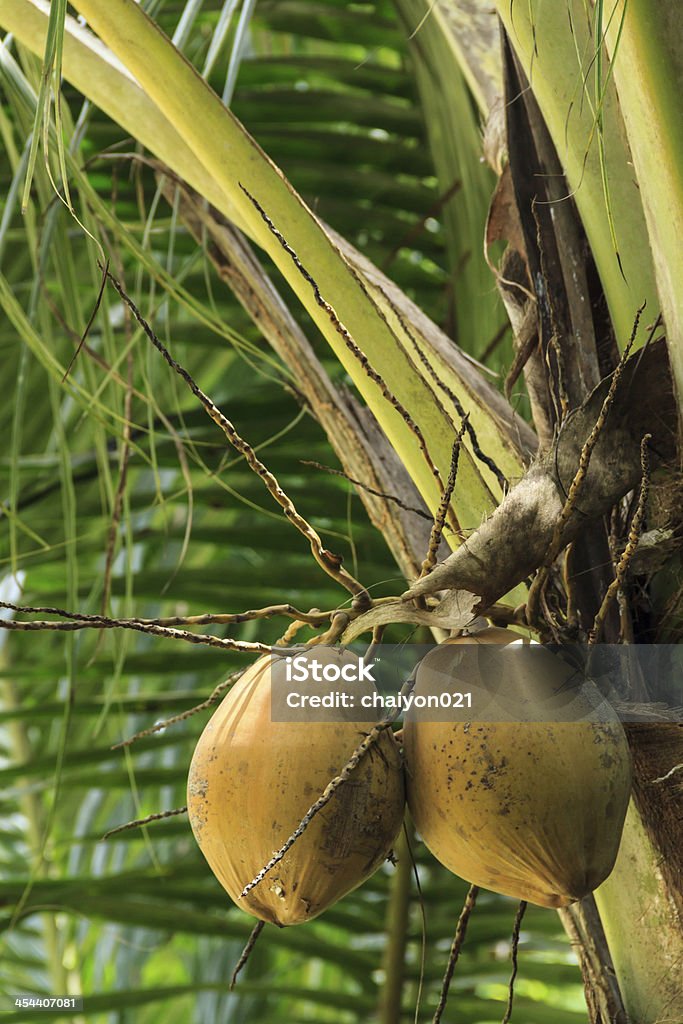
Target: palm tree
x: 423, y: 275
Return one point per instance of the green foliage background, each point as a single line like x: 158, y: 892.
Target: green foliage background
x: 138, y: 924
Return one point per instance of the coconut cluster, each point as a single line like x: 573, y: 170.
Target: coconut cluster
x: 530, y: 809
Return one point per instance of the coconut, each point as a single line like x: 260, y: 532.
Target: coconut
x: 529, y: 799
x: 253, y: 779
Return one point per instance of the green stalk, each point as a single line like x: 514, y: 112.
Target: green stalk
x: 36, y: 823
x: 648, y: 72
x: 642, y: 929
x: 398, y: 910
x: 454, y: 133
x: 554, y: 45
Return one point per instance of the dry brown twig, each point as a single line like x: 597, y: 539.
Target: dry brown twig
x: 634, y: 533
x: 485, y: 459
x: 139, y: 822
x: 613, y: 538
x: 444, y: 505
x: 458, y: 940
x: 351, y: 345
x: 212, y: 699
x: 124, y: 451
x: 313, y: 617
x: 163, y: 628
x: 514, y: 947
x: 81, y: 621
x: 246, y: 952
x: 577, y: 484
x: 561, y: 399
x: 364, y: 487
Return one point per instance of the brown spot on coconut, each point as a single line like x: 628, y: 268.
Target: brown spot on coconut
x: 258, y: 777
x: 539, y: 815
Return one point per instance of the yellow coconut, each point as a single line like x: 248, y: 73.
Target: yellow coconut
x: 253, y: 779
x: 531, y: 809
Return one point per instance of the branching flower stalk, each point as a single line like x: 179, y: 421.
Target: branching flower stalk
x: 351, y: 345
x: 364, y: 487
x: 577, y: 484
x: 340, y: 620
x: 290, y: 634
x: 632, y: 543
x: 80, y: 621
x: 493, y: 560
x: 314, y: 617
x: 514, y: 948
x: 329, y: 562
x: 444, y: 505
x: 246, y: 952
x: 140, y: 822
x: 456, y: 947
x: 205, y: 704
x: 485, y: 459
